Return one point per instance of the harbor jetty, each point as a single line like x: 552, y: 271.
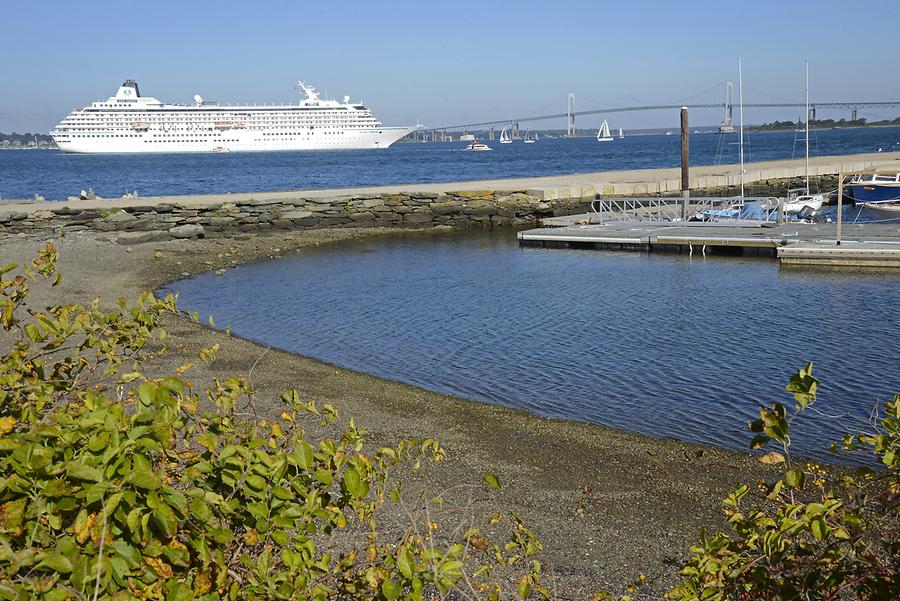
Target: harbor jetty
x: 491, y: 203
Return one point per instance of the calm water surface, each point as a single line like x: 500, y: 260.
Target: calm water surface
x: 665, y: 345
x: 24, y: 173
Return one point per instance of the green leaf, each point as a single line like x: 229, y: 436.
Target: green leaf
x: 819, y: 528
x: 256, y: 482
x: 405, y: 562
x: 146, y: 392
x: 79, y: 471
x: 391, y: 589
x: 164, y: 517
x: 492, y: 480
x: 98, y: 441
x: 57, y: 563
x: 795, y: 478
x: 304, y: 454
x: 355, y: 484
x: 524, y: 588
x: 450, y: 571
x: 200, y: 510
x: 760, y: 440
x: 179, y: 591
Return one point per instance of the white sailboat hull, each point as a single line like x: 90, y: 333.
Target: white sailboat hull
x: 795, y: 205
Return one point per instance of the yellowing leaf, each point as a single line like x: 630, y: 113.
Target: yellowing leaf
x: 772, y: 458
x: 492, y: 480
x: 6, y: 424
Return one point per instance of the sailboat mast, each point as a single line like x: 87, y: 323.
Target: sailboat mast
x: 741, y: 103
x: 807, y: 127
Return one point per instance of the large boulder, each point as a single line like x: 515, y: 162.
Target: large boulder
x: 141, y: 237
x: 120, y: 217
x: 188, y: 230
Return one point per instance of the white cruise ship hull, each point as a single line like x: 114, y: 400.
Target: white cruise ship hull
x: 231, y: 141
x: 131, y: 123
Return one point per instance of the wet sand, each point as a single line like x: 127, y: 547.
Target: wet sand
x: 607, y: 504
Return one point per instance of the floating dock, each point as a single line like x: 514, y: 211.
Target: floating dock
x: 862, y: 245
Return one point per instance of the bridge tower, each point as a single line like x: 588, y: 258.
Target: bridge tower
x: 812, y: 113
x: 570, y: 124
x: 727, y: 126
x: 853, y: 114
x: 514, y: 128
x: 491, y: 133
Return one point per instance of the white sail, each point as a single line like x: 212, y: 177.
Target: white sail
x: 603, y: 134
x: 621, y: 133
x: 504, y: 137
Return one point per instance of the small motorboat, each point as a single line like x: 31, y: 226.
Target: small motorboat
x: 477, y: 146
x: 220, y: 149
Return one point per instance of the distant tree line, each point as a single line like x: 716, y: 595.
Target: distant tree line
x: 25, y: 138
x: 826, y: 124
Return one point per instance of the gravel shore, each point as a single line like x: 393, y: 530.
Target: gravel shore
x: 607, y: 504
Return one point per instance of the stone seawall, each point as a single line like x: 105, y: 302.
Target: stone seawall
x: 163, y: 221
x: 462, y: 209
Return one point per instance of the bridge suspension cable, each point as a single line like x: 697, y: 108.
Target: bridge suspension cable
x: 659, y: 107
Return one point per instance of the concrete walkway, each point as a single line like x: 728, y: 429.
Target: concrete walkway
x: 580, y: 185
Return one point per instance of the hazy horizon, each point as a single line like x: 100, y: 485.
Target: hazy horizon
x: 450, y: 64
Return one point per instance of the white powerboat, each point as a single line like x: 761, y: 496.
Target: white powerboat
x: 477, y: 146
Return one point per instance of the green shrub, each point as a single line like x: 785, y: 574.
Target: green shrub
x: 116, y: 485
x: 816, y: 535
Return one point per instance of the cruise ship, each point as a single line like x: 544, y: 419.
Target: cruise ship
x: 129, y: 122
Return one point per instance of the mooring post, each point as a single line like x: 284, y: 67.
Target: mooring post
x: 840, y: 207
x: 685, y: 170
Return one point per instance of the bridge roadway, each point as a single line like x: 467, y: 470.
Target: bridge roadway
x: 852, y: 106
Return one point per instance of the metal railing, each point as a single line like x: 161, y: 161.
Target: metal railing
x: 710, y: 209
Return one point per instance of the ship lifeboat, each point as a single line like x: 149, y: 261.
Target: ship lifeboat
x: 223, y: 124
x: 140, y: 125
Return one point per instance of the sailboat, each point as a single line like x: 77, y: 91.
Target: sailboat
x: 528, y: 139
x: 621, y: 133
x: 603, y: 134
x: 504, y: 137
x: 795, y: 203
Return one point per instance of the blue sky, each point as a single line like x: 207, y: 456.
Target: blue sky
x: 448, y: 62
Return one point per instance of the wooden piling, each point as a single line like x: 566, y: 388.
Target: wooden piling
x: 840, y: 208
x: 685, y: 169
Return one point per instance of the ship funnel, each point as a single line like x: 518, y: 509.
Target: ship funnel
x: 129, y: 89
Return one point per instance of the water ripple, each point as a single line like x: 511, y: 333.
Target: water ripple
x: 666, y: 345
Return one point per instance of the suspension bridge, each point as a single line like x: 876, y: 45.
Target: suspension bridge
x: 727, y: 106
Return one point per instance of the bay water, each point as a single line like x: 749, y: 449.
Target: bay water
x: 677, y: 346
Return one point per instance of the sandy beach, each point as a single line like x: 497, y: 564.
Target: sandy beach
x: 607, y: 504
